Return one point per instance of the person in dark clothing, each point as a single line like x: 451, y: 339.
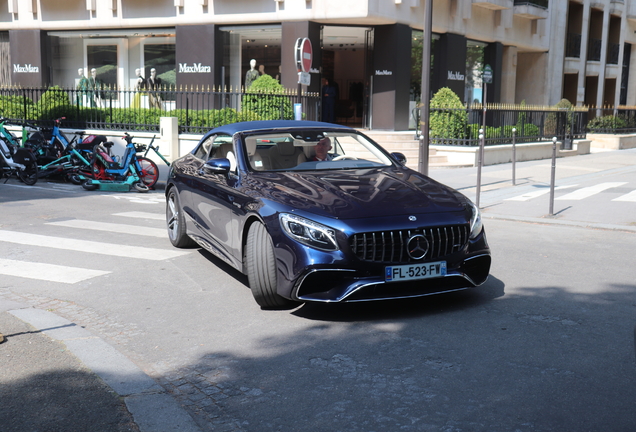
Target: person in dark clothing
x: 328, y: 101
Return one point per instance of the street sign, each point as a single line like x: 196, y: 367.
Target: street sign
x: 487, y: 74
x: 304, y: 78
x: 303, y: 53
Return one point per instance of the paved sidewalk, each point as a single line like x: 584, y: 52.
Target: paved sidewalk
x: 57, y: 376
x: 532, y: 176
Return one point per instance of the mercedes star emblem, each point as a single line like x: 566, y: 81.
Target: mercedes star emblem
x: 417, y: 246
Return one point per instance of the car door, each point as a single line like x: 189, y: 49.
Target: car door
x: 211, y: 201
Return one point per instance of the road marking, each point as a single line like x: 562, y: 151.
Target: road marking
x: 89, y: 246
x: 142, y: 215
x: 631, y: 197
x: 111, y: 227
x: 154, y: 198
x: 589, y: 191
x: 47, y: 272
x: 535, y: 194
x: 75, y: 190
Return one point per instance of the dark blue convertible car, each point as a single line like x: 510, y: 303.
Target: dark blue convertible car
x: 318, y: 212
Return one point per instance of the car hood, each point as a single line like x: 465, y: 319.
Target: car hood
x: 356, y: 193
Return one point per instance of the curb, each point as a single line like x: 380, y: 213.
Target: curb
x: 547, y: 220
x: 153, y: 409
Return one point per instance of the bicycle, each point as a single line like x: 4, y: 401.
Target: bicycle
x: 156, y: 150
x: 108, y: 174
x: 149, y: 171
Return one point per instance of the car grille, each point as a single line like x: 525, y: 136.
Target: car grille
x: 390, y: 246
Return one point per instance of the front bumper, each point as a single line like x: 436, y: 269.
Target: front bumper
x: 349, y: 285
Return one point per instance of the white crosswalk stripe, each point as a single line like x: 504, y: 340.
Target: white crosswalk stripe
x: 589, y: 191
x: 89, y: 246
x: 47, y: 272
x: 111, y: 227
x: 630, y: 197
x: 535, y: 194
x: 142, y: 215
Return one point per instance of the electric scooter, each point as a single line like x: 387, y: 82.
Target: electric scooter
x: 110, y: 175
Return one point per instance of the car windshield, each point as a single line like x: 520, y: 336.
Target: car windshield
x: 312, y: 150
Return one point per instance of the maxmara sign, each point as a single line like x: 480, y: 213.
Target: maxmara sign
x: 455, y: 76
x: 27, y: 68
x: 195, y: 68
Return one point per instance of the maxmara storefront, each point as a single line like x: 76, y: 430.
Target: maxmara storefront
x: 370, y: 50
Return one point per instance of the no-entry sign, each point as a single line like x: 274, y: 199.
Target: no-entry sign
x: 303, y: 53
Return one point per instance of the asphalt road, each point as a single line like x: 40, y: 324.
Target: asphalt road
x: 547, y: 344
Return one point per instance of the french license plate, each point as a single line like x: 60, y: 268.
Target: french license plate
x: 415, y: 271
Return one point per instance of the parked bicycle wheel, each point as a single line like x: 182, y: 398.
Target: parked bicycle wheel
x: 149, y: 171
x: 30, y: 175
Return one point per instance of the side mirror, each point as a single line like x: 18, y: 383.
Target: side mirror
x: 217, y: 166
x: 399, y: 157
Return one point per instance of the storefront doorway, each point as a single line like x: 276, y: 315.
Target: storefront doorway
x: 347, y: 58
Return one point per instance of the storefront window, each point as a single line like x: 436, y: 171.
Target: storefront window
x: 474, y: 66
x: 103, y: 58
x: 244, y: 43
x: 114, y: 54
x: 161, y: 57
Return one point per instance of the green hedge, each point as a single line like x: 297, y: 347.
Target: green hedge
x: 608, y: 122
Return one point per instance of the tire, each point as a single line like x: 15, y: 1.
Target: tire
x: 149, y: 171
x: 30, y: 175
x: 140, y: 187
x: 75, y: 179
x: 261, y: 269
x: 89, y: 186
x: 175, y: 222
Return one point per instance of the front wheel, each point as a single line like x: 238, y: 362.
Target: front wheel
x: 175, y: 222
x: 140, y: 187
x: 30, y: 175
x: 149, y: 173
x: 261, y: 269
x: 89, y: 186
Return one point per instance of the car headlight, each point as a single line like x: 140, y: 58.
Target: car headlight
x: 475, y: 221
x: 308, y: 232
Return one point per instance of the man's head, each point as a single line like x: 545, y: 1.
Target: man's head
x: 323, y: 146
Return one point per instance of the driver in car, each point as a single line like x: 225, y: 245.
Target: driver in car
x: 322, y: 149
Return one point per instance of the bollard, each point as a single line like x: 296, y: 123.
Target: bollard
x: 552, y: 175
x: 480, y: 161
x: 514, y: 156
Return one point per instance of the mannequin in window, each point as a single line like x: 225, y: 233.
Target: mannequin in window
x: 251, y: 74
x: 261, y: 69
x: 279, y: 74
x: 140, y: 87
x: 82, y: 87
x: 141, y: 81
x: 154, y: 84
x: 95, y: 86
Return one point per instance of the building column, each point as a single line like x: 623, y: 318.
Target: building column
x: 621, y: 53
x: 391, y: 77
x: 290, y: 32
x: 585, y: 34
x: 601, y: 74
x: 198, y: 58
x: 29, y: 63
x: 509, y: 74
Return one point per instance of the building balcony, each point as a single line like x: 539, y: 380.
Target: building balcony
x: 531, y: 9
x: 573, y: 45
x: 594, y: 49
x: 493, y: 4
x: 617, y: 7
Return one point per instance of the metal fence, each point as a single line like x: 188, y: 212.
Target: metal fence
x: 197, y: 110
x: 613, y: 120
x: 532, y: 124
